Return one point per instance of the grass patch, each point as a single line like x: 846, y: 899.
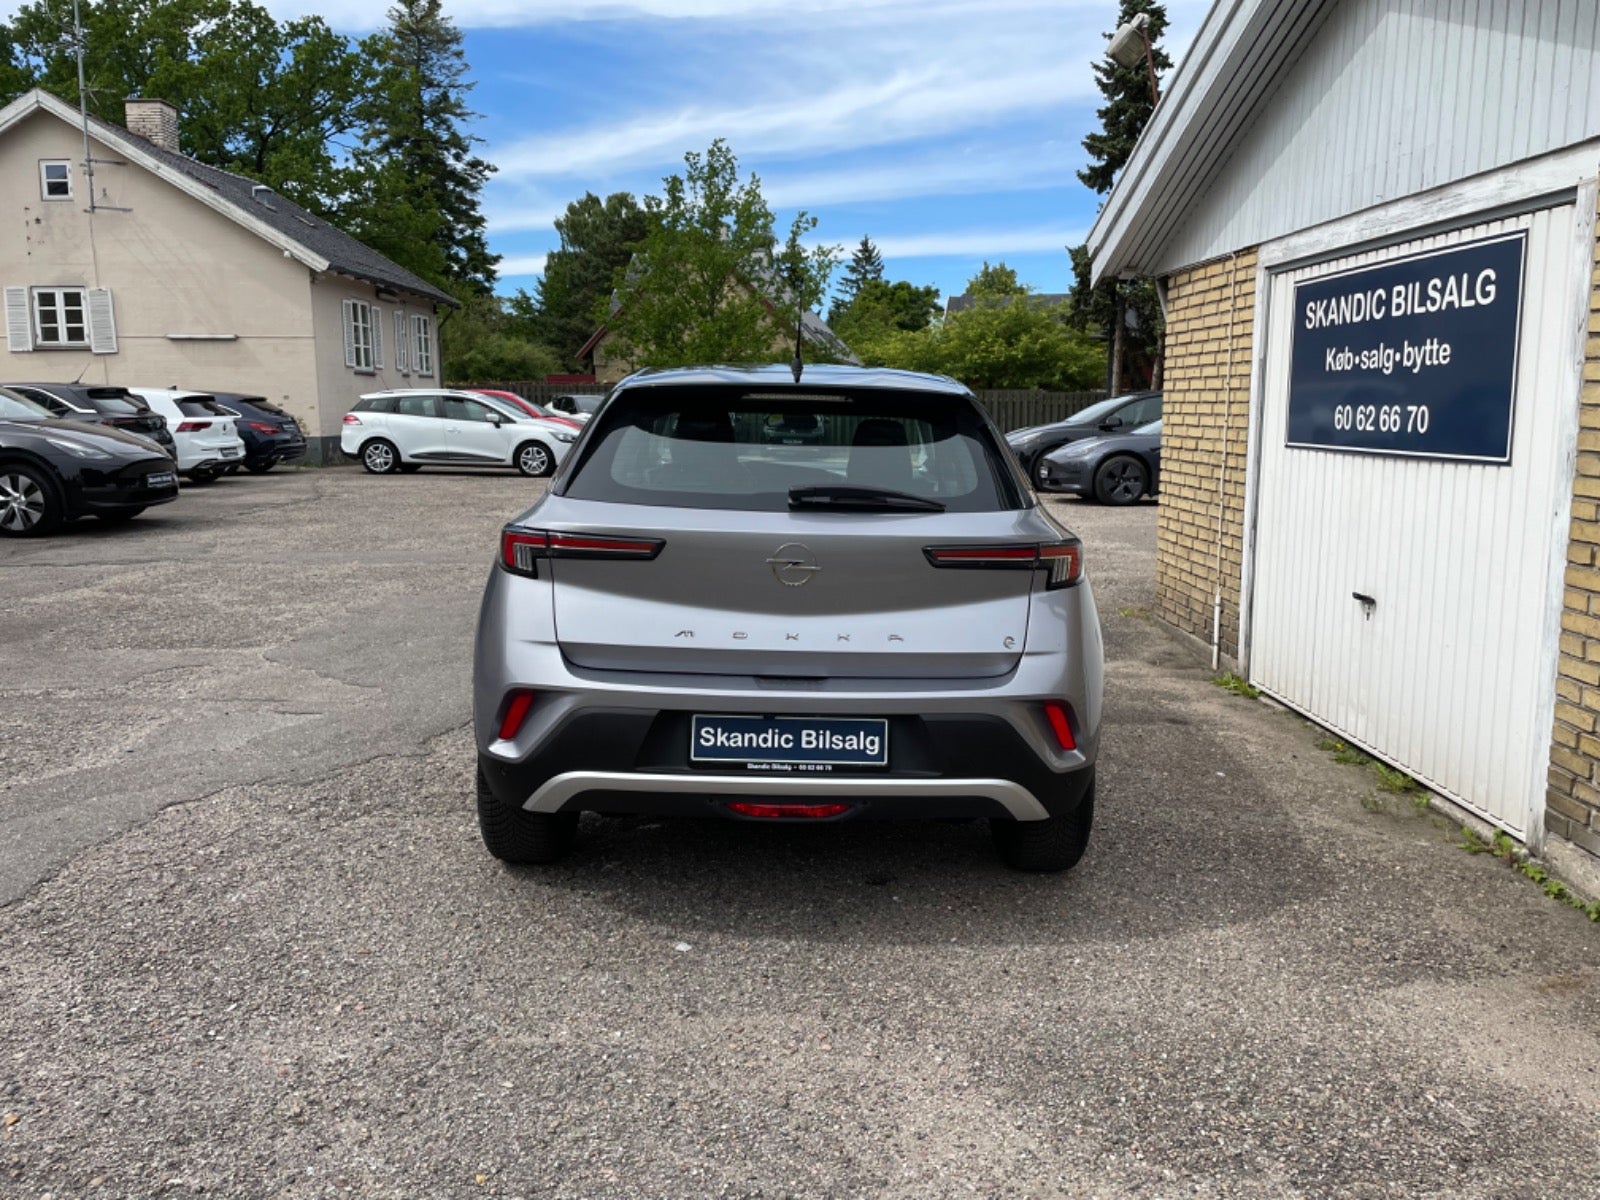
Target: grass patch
x: 1238, y: 685
x: 1137, y: 613
x: 1508, y: 852
x: 1391, y: 780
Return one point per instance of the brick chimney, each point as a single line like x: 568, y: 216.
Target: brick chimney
x: 154, y: 120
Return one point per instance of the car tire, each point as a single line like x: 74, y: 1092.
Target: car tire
x: 1121, y: 479
x: 410, y: 468
x: 379, y: 457
x: 515, y: 835
x: 260, y: 468
x: 1035, y: 470
x: 30, y: 505
x: 1053, y: 844
x: 120, y: 516
x: 534, y: 460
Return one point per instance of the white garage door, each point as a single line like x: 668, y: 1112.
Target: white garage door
x: 1410, y: 603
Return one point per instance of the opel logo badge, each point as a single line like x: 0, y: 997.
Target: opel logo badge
x: 793, y: 565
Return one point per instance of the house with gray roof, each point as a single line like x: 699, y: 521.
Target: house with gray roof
x: 143, y: 267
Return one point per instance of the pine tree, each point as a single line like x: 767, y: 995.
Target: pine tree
x: 1128, y: 102
x: 865, y: 263
x: 1123, y: 117
x: 416, y: 118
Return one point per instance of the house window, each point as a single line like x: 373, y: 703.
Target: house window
x: 55, y: 179
x: 401, y: 342
x: 422, y: 344
x: 358, y: 344
x: 60, y: 317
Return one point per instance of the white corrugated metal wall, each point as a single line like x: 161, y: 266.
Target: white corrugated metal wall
x: 1449, y: 675
x: 1394, y: 97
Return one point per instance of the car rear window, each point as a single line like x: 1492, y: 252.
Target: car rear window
x: 201, y: 406
x: 710, y: 448
x: 114, y: 402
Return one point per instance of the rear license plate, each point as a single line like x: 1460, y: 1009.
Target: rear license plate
x: 790, y: 742
x: 231, y: 452
x: 161, y: 479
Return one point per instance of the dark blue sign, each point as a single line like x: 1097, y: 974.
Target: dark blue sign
x: 814, y: 743
x: 1415, y: 356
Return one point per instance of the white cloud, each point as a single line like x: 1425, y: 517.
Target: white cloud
x: 948, y: 172
x: 977, y: 243
x: 522, y: 264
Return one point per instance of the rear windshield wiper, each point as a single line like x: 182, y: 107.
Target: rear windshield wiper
x: 853, y: 496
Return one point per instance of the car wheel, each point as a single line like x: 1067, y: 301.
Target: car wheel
x: 515, y: 835
x: 120, y: 516
x: 410, y: 468
x: 1053, y: 844
x: 29, y: 505
x: 1120, y: 480
x: 1036, y: 470
x: 260, y: 468
x: 533, y: 459
x: 380, y: 457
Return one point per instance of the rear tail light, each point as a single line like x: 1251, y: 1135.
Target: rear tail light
x: 788, y: 812
x: 517, y: 705
x: 1060, y: 717
x: 1062, y: 562
x: 261, y: 427
x: 351, y: 419
x: 193, y: 426
x: 521, y: 549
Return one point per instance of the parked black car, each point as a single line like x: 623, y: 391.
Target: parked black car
x: 573, y: 404
x: 100, y: 404
x: 1115, y: 468
x: 54, y: 470
x: 271, y: 436
x: 1119, y: 413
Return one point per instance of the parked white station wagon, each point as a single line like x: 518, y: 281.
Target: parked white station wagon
x: 403, y: 430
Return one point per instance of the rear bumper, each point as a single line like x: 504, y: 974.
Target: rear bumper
x: 265, y: 449
x: 631, y: 761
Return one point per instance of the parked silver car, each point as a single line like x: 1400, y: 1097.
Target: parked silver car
x: 877, y: 622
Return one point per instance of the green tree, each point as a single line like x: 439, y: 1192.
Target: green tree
x: 1021, y: 343
x: 1116, y: 305
x: 865, y: 266
x: 598, y: 237
x: 490, y: 339
x: 268, y: 100
x: 709, y: 282
x: 1128, y: 102
x: 994, y: 282
x: 416, y: 118
x: 881, y: 310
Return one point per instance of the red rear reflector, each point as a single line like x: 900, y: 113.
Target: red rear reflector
x: 1060, y: 718
x: 788, y: 811
x: 516, y: 714
x: 351, y: 419
x: 193, y: 426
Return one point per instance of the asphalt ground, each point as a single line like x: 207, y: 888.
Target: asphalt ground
x: 253, y: 946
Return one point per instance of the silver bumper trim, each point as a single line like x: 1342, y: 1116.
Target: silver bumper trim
x: 555, y: 792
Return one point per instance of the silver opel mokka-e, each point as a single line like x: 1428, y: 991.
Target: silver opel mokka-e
x: 700, y: 618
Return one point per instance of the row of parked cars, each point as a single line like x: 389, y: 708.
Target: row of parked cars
x: 1109, y: 452
x: 69, y: 450
x: 405, y: 430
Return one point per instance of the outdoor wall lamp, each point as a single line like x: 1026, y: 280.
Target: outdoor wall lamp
x: 1129, y: 44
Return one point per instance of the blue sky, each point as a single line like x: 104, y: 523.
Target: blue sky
x: 949, y: 132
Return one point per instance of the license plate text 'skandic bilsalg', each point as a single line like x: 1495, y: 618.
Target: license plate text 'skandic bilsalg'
x: 790, y: 743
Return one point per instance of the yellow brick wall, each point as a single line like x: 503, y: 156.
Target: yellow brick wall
x: 1573, y: 798
x: 1204, y: 426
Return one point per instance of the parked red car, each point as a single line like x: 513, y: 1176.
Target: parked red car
x: 532, y: 408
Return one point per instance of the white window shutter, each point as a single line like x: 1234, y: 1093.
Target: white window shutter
x: 102, y: 322
x: 19, y: 323
x: 377, y: 338
x: 349, y: 333
x: 400, y: 355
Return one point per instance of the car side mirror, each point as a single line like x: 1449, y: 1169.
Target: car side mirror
x: 496, y: 419
x: 1111, y: 423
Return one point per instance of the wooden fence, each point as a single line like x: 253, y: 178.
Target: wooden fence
x: 1009, y: 409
